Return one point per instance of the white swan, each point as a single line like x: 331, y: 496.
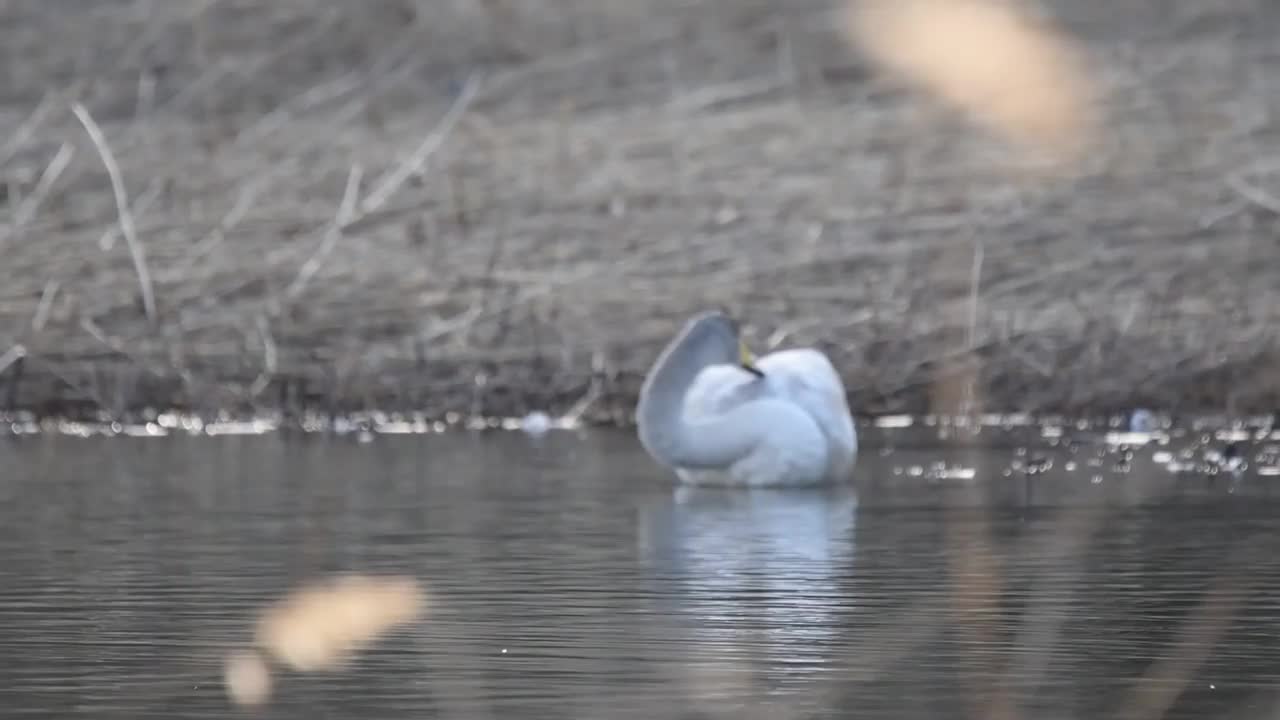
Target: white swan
x: 716, y: 416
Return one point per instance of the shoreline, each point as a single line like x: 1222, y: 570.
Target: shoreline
x: 607, y: 406
x: 989, y: 430
x: 606, y: 395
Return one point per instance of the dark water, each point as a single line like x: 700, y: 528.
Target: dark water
x: 568, y: 580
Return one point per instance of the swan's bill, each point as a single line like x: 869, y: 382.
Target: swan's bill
x: 747, y: 360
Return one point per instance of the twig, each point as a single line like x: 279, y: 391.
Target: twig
x: 413, y: 164
x: 119, y: 347
x: 248, y: 196
x: 381, y: 73
x: 214, y: 73
x: 31, y: 203
x: 595, y: 390
x: 345, y: 216
x: 351, y: 210
x: 141, y: 205
x: 87, y: 393
x: 45, y: 307
x: 975, y: 286
x: 11, y: 356
x: 270, y: 358
x: 707, y: 98
x: 123, y: 213
x: 28, y: 127
x: 1253, y: 194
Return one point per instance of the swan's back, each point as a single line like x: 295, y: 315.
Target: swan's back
x: 807, y: 377
x: 804, y: 378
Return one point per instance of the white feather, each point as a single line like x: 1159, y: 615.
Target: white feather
x: 812, y: 439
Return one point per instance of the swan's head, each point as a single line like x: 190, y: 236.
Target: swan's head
x: 715, y: 338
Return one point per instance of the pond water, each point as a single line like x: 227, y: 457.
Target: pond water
x: 1032, y: 575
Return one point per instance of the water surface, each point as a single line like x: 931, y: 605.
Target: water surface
x: 569, y: 579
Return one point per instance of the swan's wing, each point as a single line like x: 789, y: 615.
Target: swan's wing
x: 807, y: 378
x: 718, y: 389
x: 803, y: 376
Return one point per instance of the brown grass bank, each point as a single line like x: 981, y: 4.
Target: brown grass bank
x: 491, y: 206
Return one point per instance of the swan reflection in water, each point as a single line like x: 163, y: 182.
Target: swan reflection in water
x: 757, y: 576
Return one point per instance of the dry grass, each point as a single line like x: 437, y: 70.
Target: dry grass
x: 321, y: 214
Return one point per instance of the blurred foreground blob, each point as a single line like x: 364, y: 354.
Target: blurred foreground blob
x: 989, y: 58
x: 248, y: 678
x: 320, y: 626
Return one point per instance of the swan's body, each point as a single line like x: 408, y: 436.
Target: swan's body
x: 715, y: 417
